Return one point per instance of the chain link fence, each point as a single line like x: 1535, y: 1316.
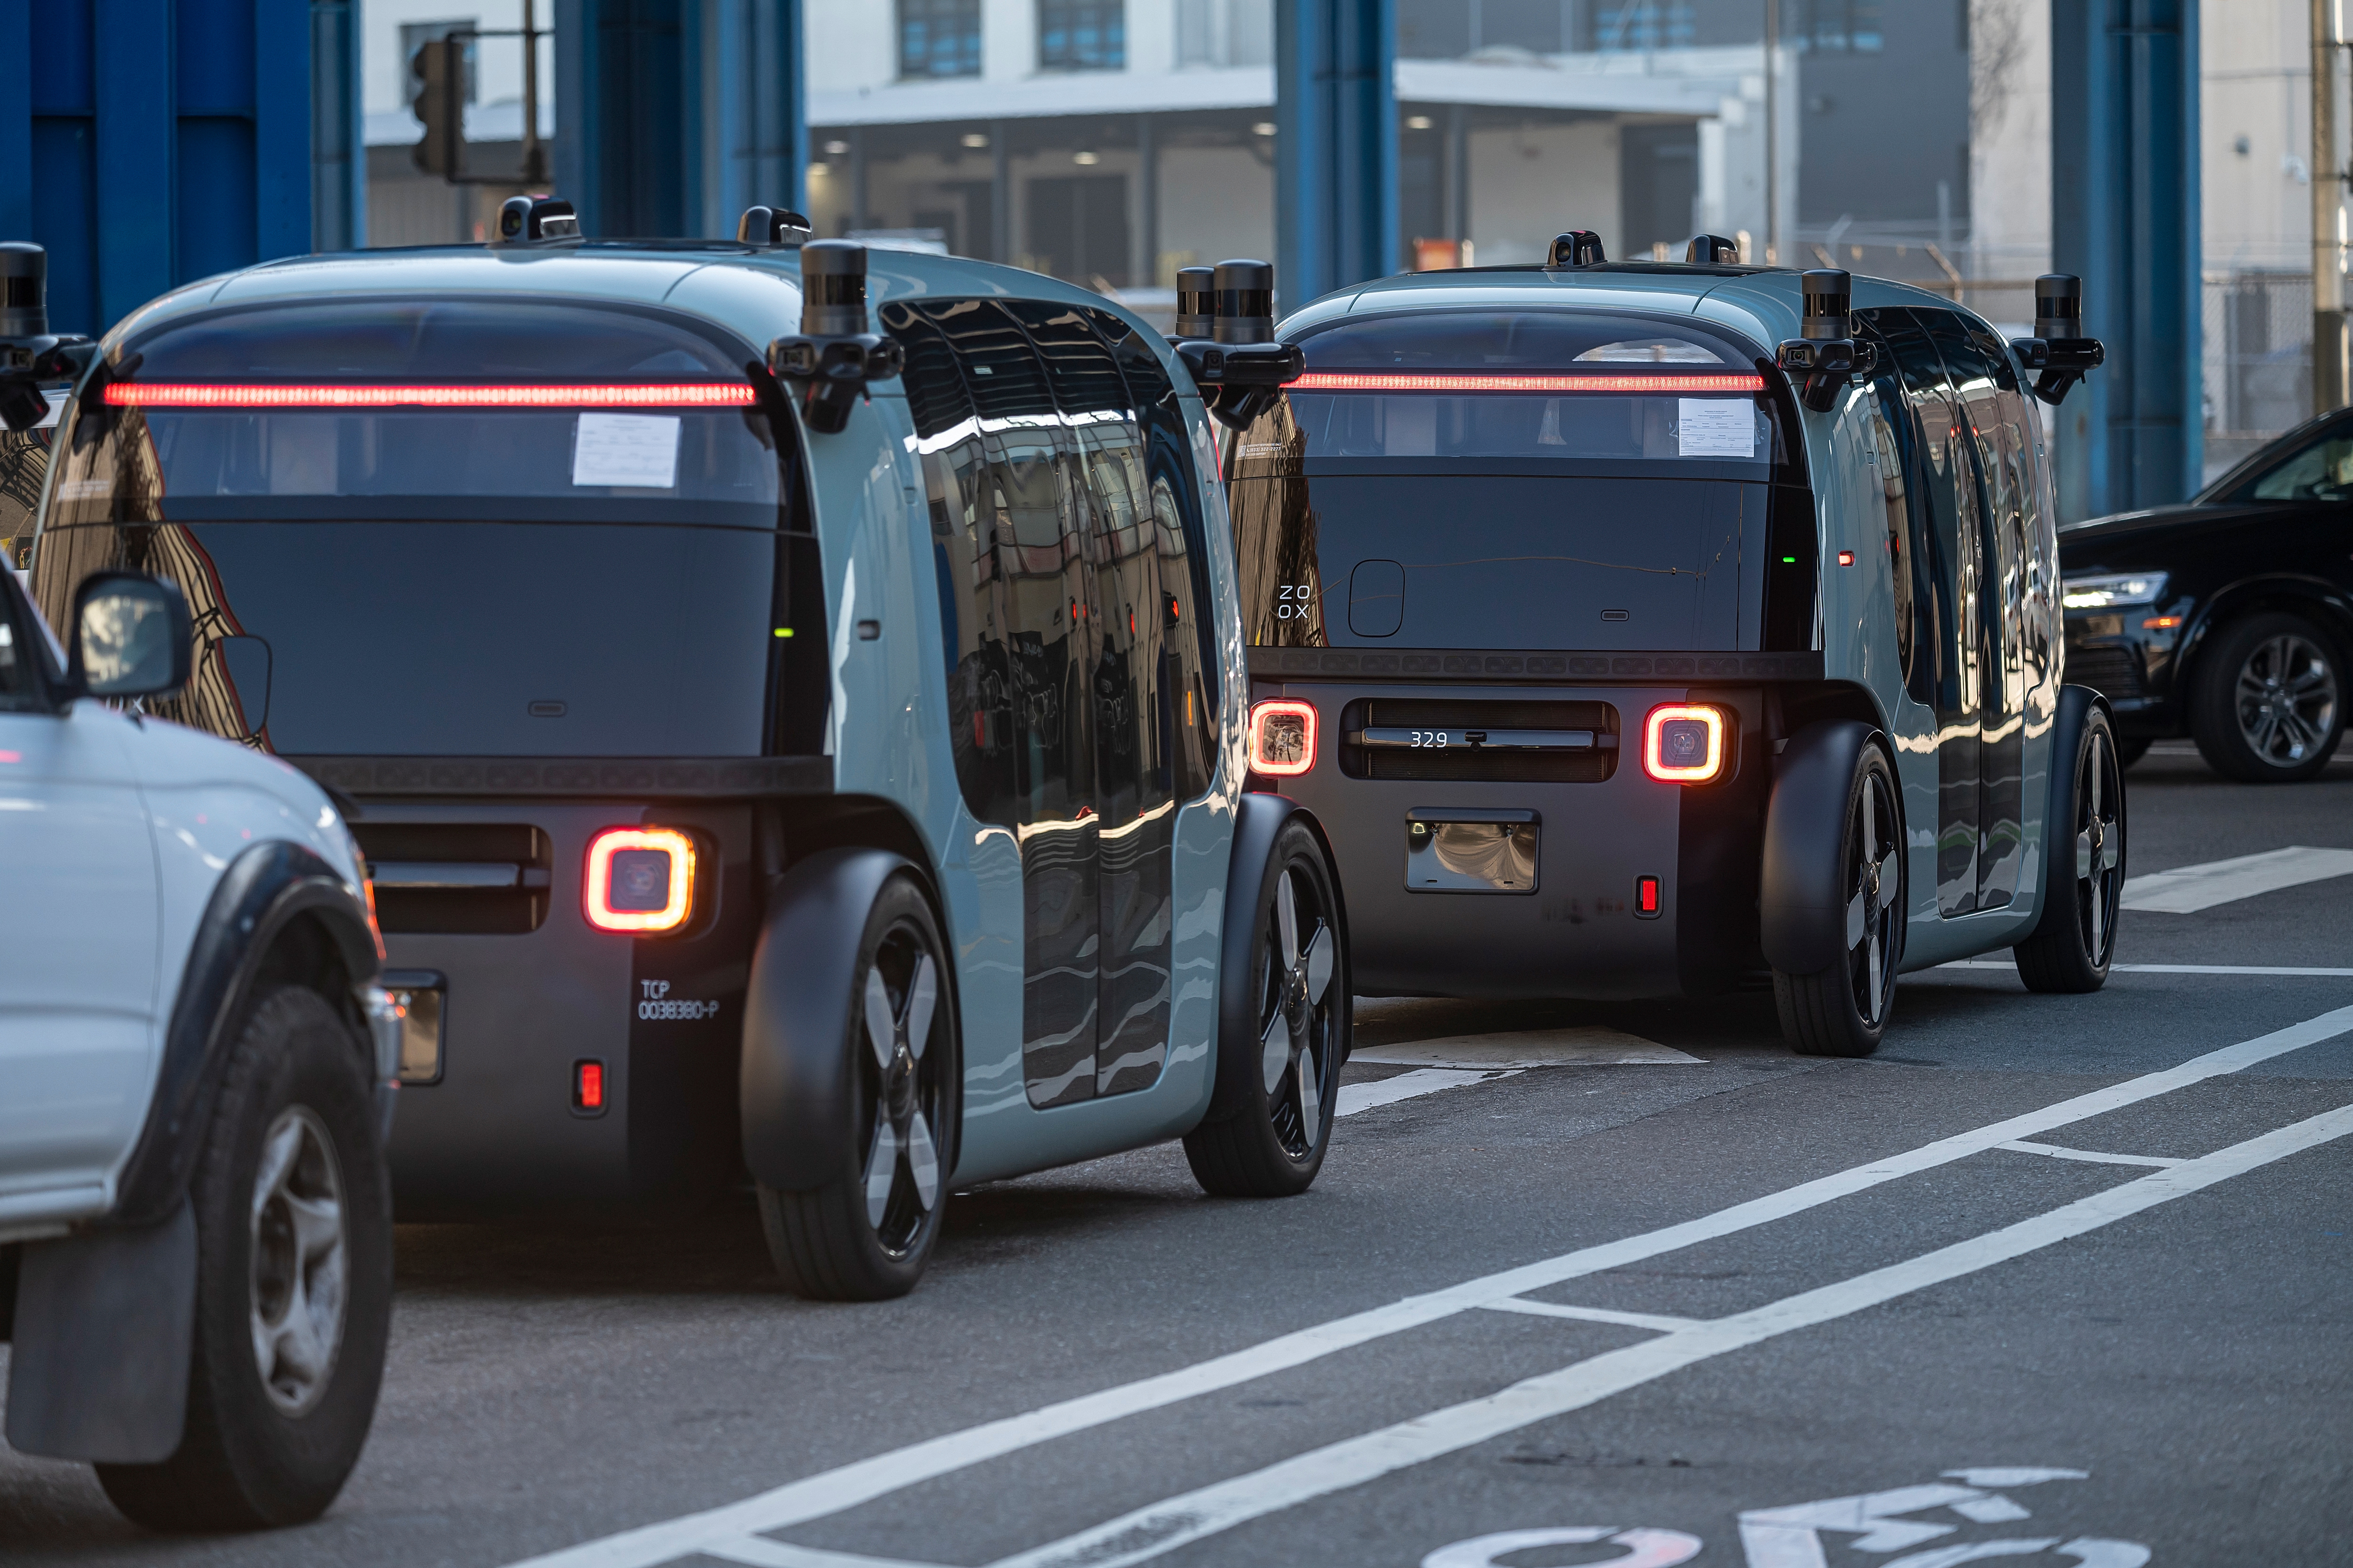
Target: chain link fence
x: 2258, y: 359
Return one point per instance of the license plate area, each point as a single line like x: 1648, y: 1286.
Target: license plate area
x: 421, y: 995
x: 1469, y: 849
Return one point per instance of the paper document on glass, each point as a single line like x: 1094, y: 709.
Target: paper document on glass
x: 636, y: 449
x: 1715, y: 427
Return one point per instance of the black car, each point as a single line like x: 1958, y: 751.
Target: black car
x: 2229, y: 617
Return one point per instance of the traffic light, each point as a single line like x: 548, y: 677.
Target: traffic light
x: 439, y: 68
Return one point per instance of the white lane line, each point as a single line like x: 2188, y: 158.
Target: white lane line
x: 1356, y: 1097
x: 1584, y: 1045
x: 1162, y: 1527
x: 2059, y: 1152
x: 849, y: 1486
x: 2185, y: 889
x: 759, y: 1552
x: 1591, y: 1314
x: 2171, y: 968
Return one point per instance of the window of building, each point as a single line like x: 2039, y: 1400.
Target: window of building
x: 1082, y: 35
x: 1225, y: 32
x: 1838, y: 24
x: 939, y: 37
x: 1642, y: 25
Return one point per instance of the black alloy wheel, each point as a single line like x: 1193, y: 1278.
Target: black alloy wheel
x: 1842, y: 1010
x: 2268, y: 705
x: 2074, y: 942
x: 1273, y: 1144
x: 867, y: 1234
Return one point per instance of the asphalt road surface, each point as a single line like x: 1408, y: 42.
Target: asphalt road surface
x: 1743, y: 1308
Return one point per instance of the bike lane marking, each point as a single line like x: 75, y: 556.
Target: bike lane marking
x: 1162, y: 1527
x: 850, y: 1486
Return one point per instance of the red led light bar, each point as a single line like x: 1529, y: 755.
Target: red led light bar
x: 1475, y: 381
x: 672, y: 395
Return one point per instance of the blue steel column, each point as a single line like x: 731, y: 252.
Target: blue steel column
x: 2125, y: 216
x: 338, y: 153
x: 755, y: 116
x: 138, y: 153
x: 15, y: 118
x: 1335, y: 146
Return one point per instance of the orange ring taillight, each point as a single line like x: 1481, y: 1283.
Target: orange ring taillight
x: 1281, y: 737
x: 1683, y: 742
x: 639, y: 880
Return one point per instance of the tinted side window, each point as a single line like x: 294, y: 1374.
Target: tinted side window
x: 1895, y: 460
x: 19, y: 650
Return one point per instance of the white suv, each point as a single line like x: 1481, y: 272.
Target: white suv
x: 196, y: 1076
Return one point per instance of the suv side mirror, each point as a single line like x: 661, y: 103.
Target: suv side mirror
x: 131, y: 636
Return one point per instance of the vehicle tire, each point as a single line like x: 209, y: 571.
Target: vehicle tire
x: 866, y: 1234
x: 1842, y: 1010
x: 2076, y: 939
x: 2131, y: 749
x: 293, y: 1213
x: 2267, y: 701
x: 1272, y: 1145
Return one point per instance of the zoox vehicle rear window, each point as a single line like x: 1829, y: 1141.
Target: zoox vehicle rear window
x: 458, y: 527
x: 1513, y: 479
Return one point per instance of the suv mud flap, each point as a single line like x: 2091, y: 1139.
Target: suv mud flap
x: 796, y: 1062
x: 106, y: 1323
x: 1800, y: 906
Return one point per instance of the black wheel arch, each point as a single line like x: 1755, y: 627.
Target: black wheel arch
x: 1801, y: 901
x: 794, y: 1076
x: 1259, y: 819
x: 2315, y: 599
x: 279, y: 915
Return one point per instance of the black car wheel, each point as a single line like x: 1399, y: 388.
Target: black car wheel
x: 293, y: 1282
x: 2083, y: 885
x: 1842, y: 1010
x: 866, y: 1234
x: 1272, y: 1145
x: 2268, y: 705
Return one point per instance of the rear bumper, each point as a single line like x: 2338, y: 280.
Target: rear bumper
x: 1578, y: 932
x: 499, y: 1131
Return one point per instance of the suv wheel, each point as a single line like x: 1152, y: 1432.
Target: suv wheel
x: 293, y: 1282
x: 2268, y: 703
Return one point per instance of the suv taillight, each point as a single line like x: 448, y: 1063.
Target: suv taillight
x: 639, y: 880
x: 1281, y: 737
x: 1684, y: 742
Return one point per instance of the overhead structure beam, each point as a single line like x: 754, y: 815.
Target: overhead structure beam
x: 1336, y: 186
x: 2125, y: 216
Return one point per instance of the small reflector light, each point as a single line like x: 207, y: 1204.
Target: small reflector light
x: 639, y: 880
x: 2154, y: 624
x: 1846, y: 557
x: 1683, y: 742
x: 1473, y: 381
x: 1646, y: 898
x: 1282, y: 737
x: 588, y: 1086
x: 667, y: 394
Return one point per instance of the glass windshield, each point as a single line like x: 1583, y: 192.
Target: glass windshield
x: 1510, y: 479
x: 460, y: 528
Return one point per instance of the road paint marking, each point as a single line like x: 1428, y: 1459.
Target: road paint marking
x: 2170, y: 968
x: 1644, y: 1548
x: 2057, y: 1151
x: 1590, y: 1045
x: 1791, y: 1536
x: 2185, y: 889
x: 862, y: 1481
x: 1356, y: 1097
x: 1162, y: 1527
x: 759, y: 1552
x: 1589, y: 1314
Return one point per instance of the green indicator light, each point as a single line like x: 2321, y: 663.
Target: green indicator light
x: 1786, y: 560
x: 784, y: 631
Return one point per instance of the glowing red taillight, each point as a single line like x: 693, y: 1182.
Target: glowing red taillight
x: 588, y: 1085
x: 627, y: 394
x: 1646, y: 898
x: 1460, y: 381
x: 1683, y: 742
x: 639, y: 880
x: 1281, y: 737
